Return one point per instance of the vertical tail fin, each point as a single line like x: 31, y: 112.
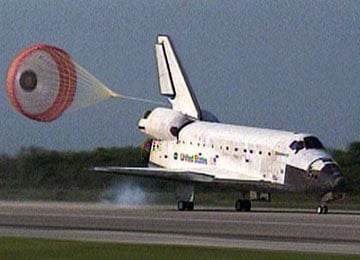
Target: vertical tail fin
x: 173, y: 83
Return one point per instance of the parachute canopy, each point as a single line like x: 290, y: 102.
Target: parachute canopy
x: 43, y: 81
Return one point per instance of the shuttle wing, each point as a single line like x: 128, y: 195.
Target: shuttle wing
x: 192, y: 175
x: 162, y: 173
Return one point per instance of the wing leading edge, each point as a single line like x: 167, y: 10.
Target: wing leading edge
x: 193, y: 175
x: 162, y: 173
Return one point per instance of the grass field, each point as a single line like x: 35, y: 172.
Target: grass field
x: 21, y: 248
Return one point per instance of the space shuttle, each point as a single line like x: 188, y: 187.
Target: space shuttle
x: 191, y: 147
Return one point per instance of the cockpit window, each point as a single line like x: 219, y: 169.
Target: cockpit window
x: 297, y: 145
x: 312, y: 142
x: 147, y: 114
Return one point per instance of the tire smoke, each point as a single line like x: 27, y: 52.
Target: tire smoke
x: 125, y: 195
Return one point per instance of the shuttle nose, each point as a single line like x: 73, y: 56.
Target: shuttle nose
x: 333, y: 178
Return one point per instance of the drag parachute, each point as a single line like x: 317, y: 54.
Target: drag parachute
x: 43, y: 81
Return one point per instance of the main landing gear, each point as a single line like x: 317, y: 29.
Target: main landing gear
x: 185, y: 205
x: 243, y: 205
x: 185, y: 195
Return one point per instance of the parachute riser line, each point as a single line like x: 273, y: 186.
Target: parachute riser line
x: 115, y: 95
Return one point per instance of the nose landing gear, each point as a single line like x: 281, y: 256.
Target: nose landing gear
x: 327, y: 197
x: 243, y: 205
x: 322, y: 209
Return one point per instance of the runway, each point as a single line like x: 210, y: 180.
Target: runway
x: 304, y: 231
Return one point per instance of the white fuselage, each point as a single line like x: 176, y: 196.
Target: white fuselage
x: 232, y: 152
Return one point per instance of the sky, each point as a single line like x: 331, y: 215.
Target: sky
x: 289, y: 65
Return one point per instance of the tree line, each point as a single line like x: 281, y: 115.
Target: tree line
x: 36, y: 167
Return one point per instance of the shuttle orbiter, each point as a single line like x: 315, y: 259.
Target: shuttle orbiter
x: 191, y: 147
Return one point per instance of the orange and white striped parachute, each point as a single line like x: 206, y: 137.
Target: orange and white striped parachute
x: 43, y: 81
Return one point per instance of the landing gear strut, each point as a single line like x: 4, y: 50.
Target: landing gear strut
x: 243, y: 205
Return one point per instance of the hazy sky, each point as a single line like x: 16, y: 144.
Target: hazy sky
x: 291, y: 65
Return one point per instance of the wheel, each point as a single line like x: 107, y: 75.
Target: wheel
x: 181, y: 205
x: 319, y: 210
x: 243, y: 205
x: 246, y: 205
x: 325, y: 209
x: 185, y: 205
x: 322, y: 209
x: 239, y: 205
x: 190, y: 206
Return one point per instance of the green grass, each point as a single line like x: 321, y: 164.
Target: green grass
x: 22, y: 248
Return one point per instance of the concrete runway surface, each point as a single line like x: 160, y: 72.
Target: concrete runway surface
x: 270, y: 229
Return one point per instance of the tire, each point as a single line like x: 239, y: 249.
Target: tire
x: 246, y: 205
x: 185, y: 205
x: 322, y: 209
x: 325, y: 209
x: 319, y: 210
x: 190, y: 206
x: 239, y: 205
x: 181, y: 205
